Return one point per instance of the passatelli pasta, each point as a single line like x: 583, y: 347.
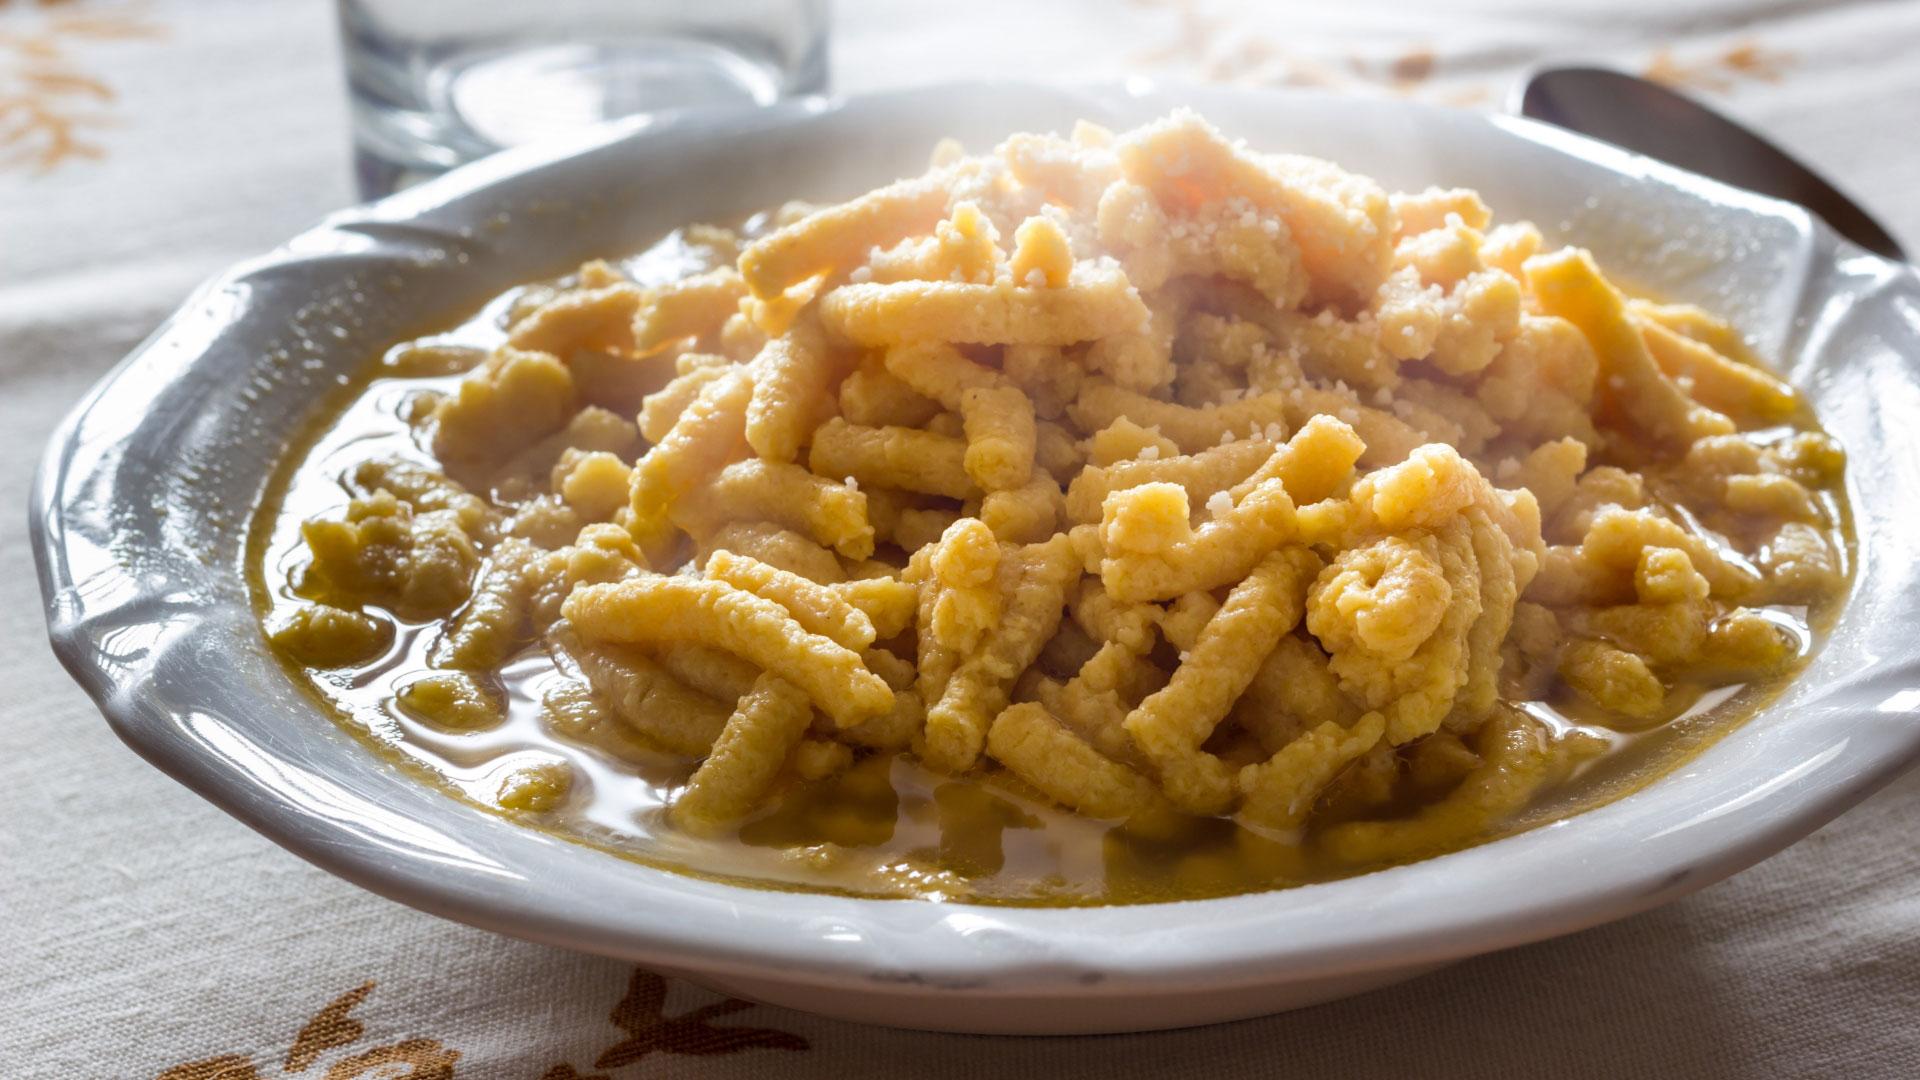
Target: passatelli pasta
x: 1269, y: 524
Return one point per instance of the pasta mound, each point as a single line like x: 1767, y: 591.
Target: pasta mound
x: 1144, y: 474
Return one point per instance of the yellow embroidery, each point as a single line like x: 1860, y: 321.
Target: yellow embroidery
x: 330, y: 1028
x: 48, y: 102
x: 641, y: 1014
x: 1412, y: 66
x: 1220, y: 49
x: 1721, y: 71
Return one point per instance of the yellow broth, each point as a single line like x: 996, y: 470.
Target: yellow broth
x: 887, y: 826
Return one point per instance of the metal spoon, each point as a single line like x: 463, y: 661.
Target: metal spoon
x: 1650, y: 119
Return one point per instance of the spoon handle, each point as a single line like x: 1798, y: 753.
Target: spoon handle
x: 1648, y: 118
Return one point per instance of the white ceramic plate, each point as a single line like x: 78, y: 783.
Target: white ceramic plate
x: 142, y: 502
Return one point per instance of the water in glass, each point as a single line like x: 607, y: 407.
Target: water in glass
x: 435, y: 83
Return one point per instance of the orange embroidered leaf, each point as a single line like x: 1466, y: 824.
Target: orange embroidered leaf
x: 330, y: 1027
x: 1719, y: 73
x: 641, y: 1014
x: 107, y: 27
x: 40, y: 82
x: 1415, y: 65
x: 61, y: 81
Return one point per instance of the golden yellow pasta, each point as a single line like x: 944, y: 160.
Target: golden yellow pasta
x: 1181, y: 559
x: 747, y: 757
x: 708, y: 434
x: 535, y: 789
x: 1194, y: 429
x: 1037, y: 749
x: 1633, y: 391
x: 1026, y: 514
x: 720, y: 675
x: 839, y: 238
x: 662, y: 409
x: 484, y: 635
x: 1170, y: 726
x: 1108, y: 517
x: 512, y: 399
x: 695, y: 306
x: 1519, y: 758
x: 962, y: 570
x: 1281, y: 790
x: 640, y: 611
x: 1201, y: 474
x: 893, y: 457
x: 452, y: 700
x: 819, y: 609
x: 591, y: 318
x: 940, y: 372
x: 1032, y: 583
x: 889, y: 603
x: 831, y: 514
x: 419, y: 563
x: 644, y: 696
x: 1094, y: 301
x: 323, y: 636
x: 872, y: 396
x: 794, y: 376
x: 595, y: 484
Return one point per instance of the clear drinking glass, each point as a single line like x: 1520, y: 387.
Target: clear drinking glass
x: 435, y: 83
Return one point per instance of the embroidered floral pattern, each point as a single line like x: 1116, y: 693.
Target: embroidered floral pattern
x: 640, y: 1015
x: 1220, y: 48
x: 329, y: 1029
x: 1721, y: 71
x: 51, y: 105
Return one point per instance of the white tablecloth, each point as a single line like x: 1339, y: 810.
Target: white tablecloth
x: 145, y: 146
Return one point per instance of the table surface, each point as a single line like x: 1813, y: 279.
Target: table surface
x: 145, y: 934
